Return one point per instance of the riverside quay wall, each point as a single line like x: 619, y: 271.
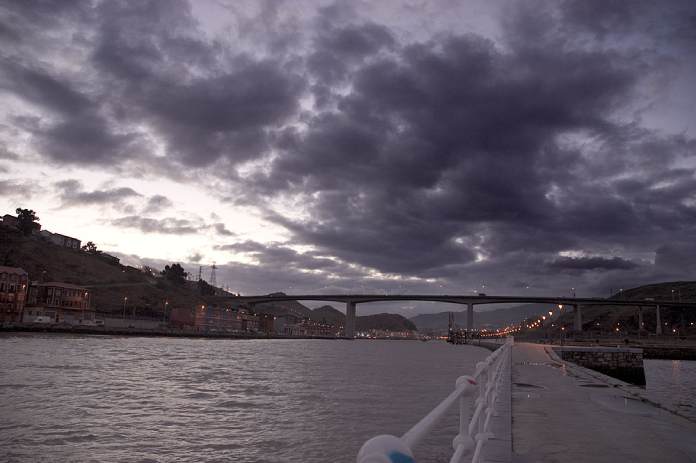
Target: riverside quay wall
x: 623, y: 363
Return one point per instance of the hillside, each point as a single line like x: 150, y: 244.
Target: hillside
x: 283, y: 307
x: 487, y: 319
x: 381, y: 321
x: 328, y: 314
x: 109, y: 283
x: 626, y: 318
x: 384, y: 321
x: 597, y: 317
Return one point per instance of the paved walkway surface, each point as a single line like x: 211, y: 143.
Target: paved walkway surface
x: 498, y: 449
x: 564, y: 413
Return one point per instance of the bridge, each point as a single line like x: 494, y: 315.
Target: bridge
x: 351, y: 301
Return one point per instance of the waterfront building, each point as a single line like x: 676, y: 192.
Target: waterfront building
x: 214, y: 319
x: 181, y: 318
x: 61, y: 240
x: 59, y: 303
x: 13, y: 293
x: 266, y: 324
x: 292, y: 325
x: 288, y: 325
x: 250, y: 321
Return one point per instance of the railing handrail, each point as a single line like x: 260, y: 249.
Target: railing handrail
x: 487, y: 379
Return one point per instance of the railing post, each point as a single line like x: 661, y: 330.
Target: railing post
x: 474, y: 422
x: 483, y: 387
x: 462, y: 442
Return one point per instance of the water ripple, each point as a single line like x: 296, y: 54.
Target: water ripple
x: 109, y: 398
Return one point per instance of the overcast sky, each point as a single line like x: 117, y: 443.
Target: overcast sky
x: 442, y: 146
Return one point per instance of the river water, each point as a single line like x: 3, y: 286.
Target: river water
x: 98, y: 398
x: 673, y: 382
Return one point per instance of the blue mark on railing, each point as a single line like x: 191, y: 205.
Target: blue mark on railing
x: 398, y: 457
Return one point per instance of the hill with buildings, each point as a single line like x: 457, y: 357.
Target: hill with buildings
x: 110, y: 283
x: 114, y: 286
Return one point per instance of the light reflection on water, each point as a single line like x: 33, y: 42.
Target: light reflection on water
x: 97, y: 398
x: 673, y: 382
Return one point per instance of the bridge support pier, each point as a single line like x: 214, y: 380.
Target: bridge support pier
x: 577, y: 322
x: 658, y: 321
x: 469, y: 316
x: 349, y: 329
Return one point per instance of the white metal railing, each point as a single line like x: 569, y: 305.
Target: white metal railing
x: 474, y: 421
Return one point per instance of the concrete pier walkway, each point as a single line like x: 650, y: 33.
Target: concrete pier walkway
x: 565, y: 413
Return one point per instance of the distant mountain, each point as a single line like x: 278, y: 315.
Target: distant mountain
x: 279, y: 308
x: 488, y: 319
x: 328, y: 314
x: 385, y: 321
x: 382, y: 321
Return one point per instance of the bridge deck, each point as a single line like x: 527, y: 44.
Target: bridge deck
x: 558, y: 416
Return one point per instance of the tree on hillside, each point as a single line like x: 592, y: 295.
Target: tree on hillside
x: 25, y: 220
x: 205, y: 289
x: 175, y: 273
x: 90, y: 247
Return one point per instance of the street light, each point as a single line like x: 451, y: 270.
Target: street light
x: 125, y: 299
x: 164, y: 312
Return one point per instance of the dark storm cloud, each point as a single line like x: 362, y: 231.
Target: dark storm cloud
x: 445, y: 136
x: 151, y: 66
x: 19, y: 20
x: 673, y: 20
x: 677, y: 258
x: 446, y: 156
x: 154, y: 53
x: 157, y: 203
x: 170, y: 225
x: 166, y: 226
x: 591, y: 263
x: 222, y: 230
x: 41, y: 88
x: 337, y: 49
x: 17, y: 190
x: 276, y: 255
x: 72, y: 193
x: 80, y: 132
x: 455, y: 148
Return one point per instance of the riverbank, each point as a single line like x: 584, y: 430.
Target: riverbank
x: 653, y: 349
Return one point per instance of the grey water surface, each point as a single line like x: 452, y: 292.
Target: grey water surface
x: 109, y: 399
x: 673, y: 382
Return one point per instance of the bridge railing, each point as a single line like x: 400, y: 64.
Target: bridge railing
x: 474, y: 421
